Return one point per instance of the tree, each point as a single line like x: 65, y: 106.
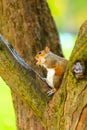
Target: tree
x: 29, y: 27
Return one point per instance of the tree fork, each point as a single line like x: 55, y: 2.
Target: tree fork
x: 69, y: 101
x: 33, y: 28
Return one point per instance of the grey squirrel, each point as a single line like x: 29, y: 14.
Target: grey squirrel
x: 55, y: 66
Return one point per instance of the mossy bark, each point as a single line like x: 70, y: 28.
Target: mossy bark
x: 28, y: 26
x: 68, y: 107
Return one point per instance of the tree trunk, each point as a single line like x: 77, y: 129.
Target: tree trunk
x: 29, y: 27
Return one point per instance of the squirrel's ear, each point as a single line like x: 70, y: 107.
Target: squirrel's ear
x: 47, y: 49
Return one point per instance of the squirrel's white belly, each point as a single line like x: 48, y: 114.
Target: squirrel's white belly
x: 50, y: 76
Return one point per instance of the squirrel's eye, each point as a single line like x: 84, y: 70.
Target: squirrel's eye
x: 39, y: 52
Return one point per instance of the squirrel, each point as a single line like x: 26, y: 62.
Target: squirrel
x: 55, y: 66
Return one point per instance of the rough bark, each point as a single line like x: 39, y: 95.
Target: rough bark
x: 29, y: 27
x: 67, y: 109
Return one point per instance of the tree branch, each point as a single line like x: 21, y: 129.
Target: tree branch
x: 67, y: 105
x: 18, y: 58
x: 20, y: 77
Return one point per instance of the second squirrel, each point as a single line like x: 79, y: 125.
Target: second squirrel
x: 55, y: 66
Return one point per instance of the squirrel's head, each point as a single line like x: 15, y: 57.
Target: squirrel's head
x: 40, y: 56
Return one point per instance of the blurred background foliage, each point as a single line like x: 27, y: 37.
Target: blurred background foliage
x: 68, y: 16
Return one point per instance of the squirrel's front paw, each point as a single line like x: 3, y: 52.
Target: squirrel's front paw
x: 51, y: 92
x: 44, y: 79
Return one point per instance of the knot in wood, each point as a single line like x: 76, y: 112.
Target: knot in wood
x: 78, y: 69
